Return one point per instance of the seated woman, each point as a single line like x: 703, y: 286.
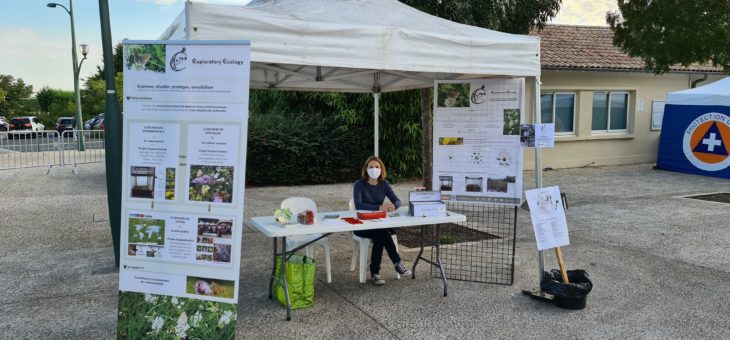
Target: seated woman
x: 369, y: 193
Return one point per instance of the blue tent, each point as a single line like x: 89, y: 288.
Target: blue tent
x: 695, y: 135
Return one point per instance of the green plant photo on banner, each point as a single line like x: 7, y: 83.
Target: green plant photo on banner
x: 150, y: 316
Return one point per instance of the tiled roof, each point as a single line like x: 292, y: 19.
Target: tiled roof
x: 591, y: 48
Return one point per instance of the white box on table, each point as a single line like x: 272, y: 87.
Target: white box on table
x: 426, y: 203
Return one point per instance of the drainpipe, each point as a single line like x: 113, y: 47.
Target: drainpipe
x: 694, y: 82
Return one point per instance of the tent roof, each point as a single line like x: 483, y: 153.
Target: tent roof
x: 356, y: 45
x: 717, y: 93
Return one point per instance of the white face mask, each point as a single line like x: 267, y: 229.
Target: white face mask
x: 374, y: 173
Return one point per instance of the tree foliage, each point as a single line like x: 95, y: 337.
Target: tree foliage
x: 15, y: 96
x: 670, y: 32
x: 511, y: 16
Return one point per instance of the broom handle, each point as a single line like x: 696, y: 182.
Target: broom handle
x: 563, y: 272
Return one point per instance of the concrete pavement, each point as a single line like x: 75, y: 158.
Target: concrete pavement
x: 659, y: 264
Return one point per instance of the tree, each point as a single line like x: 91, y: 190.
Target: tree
x: 93, y: 96
x: 670, y: 32
x: 511, y: 16
x: 118, y: 62
x: 15, y: 96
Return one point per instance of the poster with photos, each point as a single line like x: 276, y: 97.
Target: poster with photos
x: 477, y: 155
x: 185, y: 128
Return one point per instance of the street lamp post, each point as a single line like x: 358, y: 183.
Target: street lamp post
x: 76, y: 68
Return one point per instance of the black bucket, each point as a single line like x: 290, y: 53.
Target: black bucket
x: 571, y: 295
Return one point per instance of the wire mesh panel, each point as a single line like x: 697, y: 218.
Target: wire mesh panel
x: 481, y: 249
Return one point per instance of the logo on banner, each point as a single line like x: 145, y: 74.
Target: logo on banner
x: 479, y: 95
x: 177, y: 62
x: 706, y: 141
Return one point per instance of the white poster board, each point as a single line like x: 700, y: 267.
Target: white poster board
x: 548, y: 217
x: 545, y: 135
x: 185, y: 123
x: 657, y: 114
x: 476, y: 140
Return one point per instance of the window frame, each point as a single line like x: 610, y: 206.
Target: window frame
x: 554, y: 102
x: 608, y: 109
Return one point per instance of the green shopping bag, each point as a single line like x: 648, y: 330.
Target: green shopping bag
x: 299, y: 279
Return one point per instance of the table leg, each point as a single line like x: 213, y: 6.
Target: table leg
x: 283, y: 278
x: 438, y: 258
x: 420, y: 252
x: 273, y: 272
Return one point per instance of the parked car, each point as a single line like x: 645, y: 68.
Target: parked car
x: 93, y: 121
x: 25, y: 123
x: 99, y: 124
x: 4, y: 126
x: 65, y: 124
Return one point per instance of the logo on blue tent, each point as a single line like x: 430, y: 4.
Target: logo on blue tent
x: 706, y: 142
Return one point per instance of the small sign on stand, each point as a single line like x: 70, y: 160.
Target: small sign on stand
x: 547, y: 210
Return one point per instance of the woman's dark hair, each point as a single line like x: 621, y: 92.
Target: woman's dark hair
x: 364, y: 172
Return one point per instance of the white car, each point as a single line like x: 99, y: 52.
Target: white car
x: 25, y: 123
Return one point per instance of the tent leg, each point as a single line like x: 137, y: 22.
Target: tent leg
x: 538, y: 169
x: 376, y: 116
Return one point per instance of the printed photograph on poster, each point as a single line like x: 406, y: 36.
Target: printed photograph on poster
x: 209, y: 287
x: 145, y: 58
x: 143, y: 250
x: 548, y: 217
x: 142, y: 180
x: 527, y: 135
x: 453, y: 94
x: 154, y: 316
x: 451, y: 141
x: 211, y: 183
x: 214, y: 227
x: 146, y: 231
x: 447, y: 183
x: 511, y: 122
x: 497, y: 184
x: 473, y: 183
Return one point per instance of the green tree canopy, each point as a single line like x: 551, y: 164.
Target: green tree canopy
x: 15, y: 97
x: 670, y: 32
x: 511, y: 16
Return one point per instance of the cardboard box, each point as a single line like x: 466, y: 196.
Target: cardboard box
x: 426, y: 203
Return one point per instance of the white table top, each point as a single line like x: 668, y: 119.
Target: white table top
x: 269, y: 227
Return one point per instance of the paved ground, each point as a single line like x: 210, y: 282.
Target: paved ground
x: 659, y: 265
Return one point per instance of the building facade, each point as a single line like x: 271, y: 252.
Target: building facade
x: 606, y: 107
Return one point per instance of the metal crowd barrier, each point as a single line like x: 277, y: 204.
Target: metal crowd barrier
x: 82, y: 146
x: 28, y: 149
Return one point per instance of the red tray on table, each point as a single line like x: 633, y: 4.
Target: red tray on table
x: 370, y: 215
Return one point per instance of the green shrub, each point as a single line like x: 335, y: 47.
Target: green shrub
x: 285, y: 149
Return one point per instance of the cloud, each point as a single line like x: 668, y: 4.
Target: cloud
x: 584, y: 12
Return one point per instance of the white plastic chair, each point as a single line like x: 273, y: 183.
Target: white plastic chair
x: 360, y: 250
x: 297, y: 205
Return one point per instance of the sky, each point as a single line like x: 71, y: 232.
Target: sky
x: 36, y: 40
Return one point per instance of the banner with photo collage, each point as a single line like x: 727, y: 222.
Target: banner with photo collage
x: 477, y: 155
x: 185, y: 123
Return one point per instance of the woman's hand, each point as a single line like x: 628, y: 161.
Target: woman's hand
x: 387, y: 207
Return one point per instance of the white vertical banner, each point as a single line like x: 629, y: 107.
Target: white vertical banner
x: 183, y: 178
x: 477, y: 155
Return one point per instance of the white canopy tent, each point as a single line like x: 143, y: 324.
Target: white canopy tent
x: 717, y: 93
x: 357, y: 45
x: 361, y: 46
